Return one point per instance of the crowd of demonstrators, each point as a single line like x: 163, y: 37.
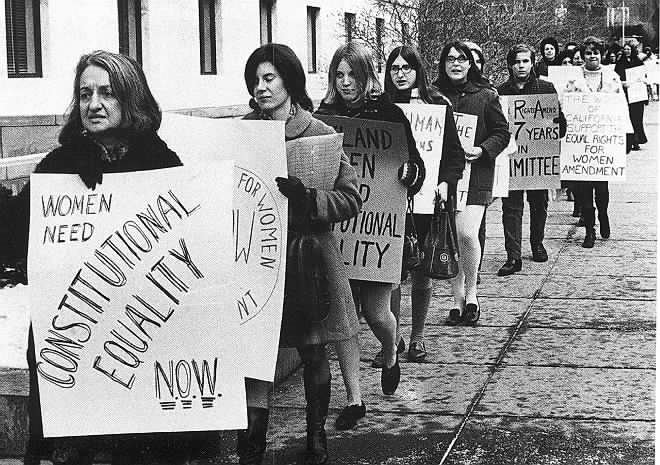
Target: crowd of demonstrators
x: 112, y: 128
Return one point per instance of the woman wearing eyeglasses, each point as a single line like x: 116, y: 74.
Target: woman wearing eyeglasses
x: 461, y: 81
x: 405, y: 82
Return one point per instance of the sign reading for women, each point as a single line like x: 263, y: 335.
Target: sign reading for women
x: 594, y: 148
x: 466, y: 126
x: 371, y: 243
x: 535, y: 164
x: 428, y: 128
x: 117, y: 329
x: 259, y: 220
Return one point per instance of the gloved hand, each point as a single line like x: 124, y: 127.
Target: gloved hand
x: 89, y: 167
x: 408, y: 173
x: 292, y: 188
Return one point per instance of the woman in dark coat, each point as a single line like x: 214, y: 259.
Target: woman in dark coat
x: 461, y: 81
x: 405, y: 82
x: 629, y: 59
x: 549, y: 56
x: 275, y: 79
x: 354, y: 91
x: 111, y: 128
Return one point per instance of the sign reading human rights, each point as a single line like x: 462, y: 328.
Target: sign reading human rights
x: 259, y: 223
x: 466, y: 126
x: 371, y: 243
x: 594, y: 148
x: 117, y: 329
x: 428, y: 128
x: 535, y: 164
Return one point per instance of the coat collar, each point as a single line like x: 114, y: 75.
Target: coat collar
x: 298, y: 124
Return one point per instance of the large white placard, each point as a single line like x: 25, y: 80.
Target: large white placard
x: 636, y: 80
x: 259, y: 222
x: 122, y: 346
x: 535, y: 164
x: 428, y: 127
x: 594, y: 148
x: 466, y: 125
x: 566, y: 79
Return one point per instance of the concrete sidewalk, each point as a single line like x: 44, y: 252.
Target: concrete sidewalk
x: 560, y: 370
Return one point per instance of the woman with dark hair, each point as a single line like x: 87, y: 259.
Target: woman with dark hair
x: 406, y: 82
x: 354, y: 91
x: 275, y: 79
x: 629, y: 59
x: 461, y: 81
x: 566, y: 58
x: 549, y: 56
x: 110, y: 128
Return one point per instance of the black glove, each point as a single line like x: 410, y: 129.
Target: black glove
x: 408, y: 173
x: 89, y: 167
x: 292, y: 188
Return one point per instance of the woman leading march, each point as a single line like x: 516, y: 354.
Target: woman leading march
x: 275, y: 79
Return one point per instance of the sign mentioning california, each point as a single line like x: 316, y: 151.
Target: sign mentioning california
x: 118, y: 330
x: 594, y: 148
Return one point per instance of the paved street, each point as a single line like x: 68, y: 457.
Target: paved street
x: 560, y: 370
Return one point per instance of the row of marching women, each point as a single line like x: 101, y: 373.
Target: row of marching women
x: 113, y: 128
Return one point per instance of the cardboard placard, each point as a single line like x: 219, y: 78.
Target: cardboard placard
x: 636, y: 80
x: 535, y: 164
x: 259, y: 220
x: 594, y: 148
x: 566, y: 79
x: 428, y: 127
x: 371, y: 243
x: 466, y: 125
x: 118, y: 331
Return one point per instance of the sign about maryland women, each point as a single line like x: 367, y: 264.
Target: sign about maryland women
x: 122, y: 344
x: 258, y: 223
x: 594, y: 148
x: 535, y: 164
x: 371, y: 243
x: 428, y: 127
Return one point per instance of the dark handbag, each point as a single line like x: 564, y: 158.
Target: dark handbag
x: 441, y: 244
x: 412, y: 251
x: 306, y: 287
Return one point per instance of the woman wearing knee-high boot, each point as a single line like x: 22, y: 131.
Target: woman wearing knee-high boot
x: 597, y: 79
x: 275, y: 79
x: 461, y: 81
x: 354, y: 91
x: 405, y: 82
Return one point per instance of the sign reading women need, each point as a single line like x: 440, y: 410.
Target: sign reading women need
x: 428, y: 127
x: 122, y: 344
x: 371, y: 243
x: 594, y: 148
x: 258, y: 222
x: 535, y: 163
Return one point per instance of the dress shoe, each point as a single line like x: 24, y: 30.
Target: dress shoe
x: 378, y: 361
x: 454, y: 317
x: 348, y: 417
x: 471, y: 314
x: 539, y: 254
x: 390, y: 377
x: 589, y: 239
x: 510, y: 267
x: 417, y: 351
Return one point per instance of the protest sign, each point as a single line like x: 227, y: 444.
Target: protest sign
x: 566, y: 79
x: 315, y: 160
x: 116, y: 329
x: 371, y: 243
x: 636, y: 80
x: 466, y: 126
x: 428, y: 127
x: 594, y: 148
x: 501, y: 174
x: 652, y: 71
x: 535, y: 164
x: 259, y: 222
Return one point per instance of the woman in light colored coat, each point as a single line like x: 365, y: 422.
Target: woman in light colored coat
x: 275, y: 78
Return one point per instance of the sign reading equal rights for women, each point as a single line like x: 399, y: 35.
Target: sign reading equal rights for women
x: 535, y: 164
x: 258, y: 222
x: 371, y: 243
x: 594, y: 148
x: 466, y: 126
x: 428, y: 127
x: 122, y: 344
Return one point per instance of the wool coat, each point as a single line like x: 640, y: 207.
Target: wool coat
x: 331, y: 206
x: 492, y: 134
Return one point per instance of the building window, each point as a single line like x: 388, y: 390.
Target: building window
x: 266, y: 20
x: 207, y: 37
x: 380, y: 26
x: 312, y: 17
x: 23, y: 26
x: 349, y: 25
x: 130, y: 28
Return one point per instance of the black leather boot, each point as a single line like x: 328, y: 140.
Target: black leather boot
x: 316, y: 375
x: 251, y: 443
x: 317, y: 442
x: 590, y: 232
